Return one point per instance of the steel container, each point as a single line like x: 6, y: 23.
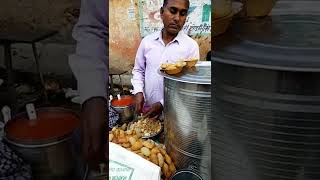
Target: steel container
x: 51, y: 158
x: 126, y: 112
x: 267, y: 100
x: 187, y: 111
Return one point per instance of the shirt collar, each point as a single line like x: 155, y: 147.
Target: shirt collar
x: 177, y: 39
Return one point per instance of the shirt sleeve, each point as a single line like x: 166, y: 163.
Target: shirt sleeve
x: 195, y: 53
x: 138, y: 71
x: 89, y: 62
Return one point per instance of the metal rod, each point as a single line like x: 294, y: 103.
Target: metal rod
x: 36, y: 58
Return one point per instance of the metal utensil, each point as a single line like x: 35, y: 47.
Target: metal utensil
x: 6, y: 112
x: 147, y: 137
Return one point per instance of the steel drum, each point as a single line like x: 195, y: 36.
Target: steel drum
x: 187, y: 111
x: 267, y: 100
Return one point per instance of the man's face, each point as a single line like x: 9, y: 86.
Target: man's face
x: 174, y: 15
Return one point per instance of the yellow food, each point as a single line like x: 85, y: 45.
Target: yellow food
x: 123, y: 140
x: 163, y: 152
x: 155, y: 150
x: 111, y: 137
x: 149, y: 144
x: 171, y: 67
x: 177, y: 67
x: 181, y: 64
x: 191, y: 62
x: 164, y: 66
x: 160, y: 159
x: 166, y: 170
x: 116, y: 132
x: 140, y: 154
x: 115, y: 140
x: 145, y: 151
x: 154, y: 158
x: 137, y: 135
x: 121, y: 134
x: 137, y: 145
x: 129, y: 132
x: 172, y: 168
x: 146, y: 127
x: 167, y: 158
x: 123, y: 127
x: 126, y: 145
x: 132, y: 140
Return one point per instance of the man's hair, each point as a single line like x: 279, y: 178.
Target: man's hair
x: 165, y: 2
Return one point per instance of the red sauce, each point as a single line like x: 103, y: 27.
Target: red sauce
x: 47, y: 125
x: 124, y: 101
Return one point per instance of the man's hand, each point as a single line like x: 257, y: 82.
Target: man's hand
x: 139, y: 102
x: 93, y: 128
x: 155, y: 110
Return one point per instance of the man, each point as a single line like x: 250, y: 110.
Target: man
x: 168, y: 45
x: 89, y: 65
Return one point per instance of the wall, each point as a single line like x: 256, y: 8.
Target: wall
x: 60, y: 15
x: 125, y: 36
x: 39, y: 13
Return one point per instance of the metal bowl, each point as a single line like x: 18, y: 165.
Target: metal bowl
x: 126, y: 113
x: 154, y: 136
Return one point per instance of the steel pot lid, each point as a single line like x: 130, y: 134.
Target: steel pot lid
x: 200, y: 74
x: 278, y: 42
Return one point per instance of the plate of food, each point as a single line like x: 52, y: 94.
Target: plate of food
x: 148, y: 127
x: 191, y: 62
x: 177, y: 67
x: 173, y: 68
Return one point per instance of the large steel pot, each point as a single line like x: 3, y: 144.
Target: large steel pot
x: 44, y: 147
x: 187, y: 111
x: 267, y: 100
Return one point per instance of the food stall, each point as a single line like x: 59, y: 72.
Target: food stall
x: 179, y: 145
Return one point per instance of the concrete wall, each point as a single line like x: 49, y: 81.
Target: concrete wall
x: 59, y: 15
x: 43, y: 13
x: 125, y: 36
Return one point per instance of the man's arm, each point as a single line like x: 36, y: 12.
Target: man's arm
x: 89, y: 63
x: 138, y: 78
x: 194, y: 52
x: 138, y: 71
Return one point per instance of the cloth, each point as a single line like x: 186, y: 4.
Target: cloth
x: 89, y: 63
x: 12, y: 167
x: 113, y: 117
x: 152, y: 52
